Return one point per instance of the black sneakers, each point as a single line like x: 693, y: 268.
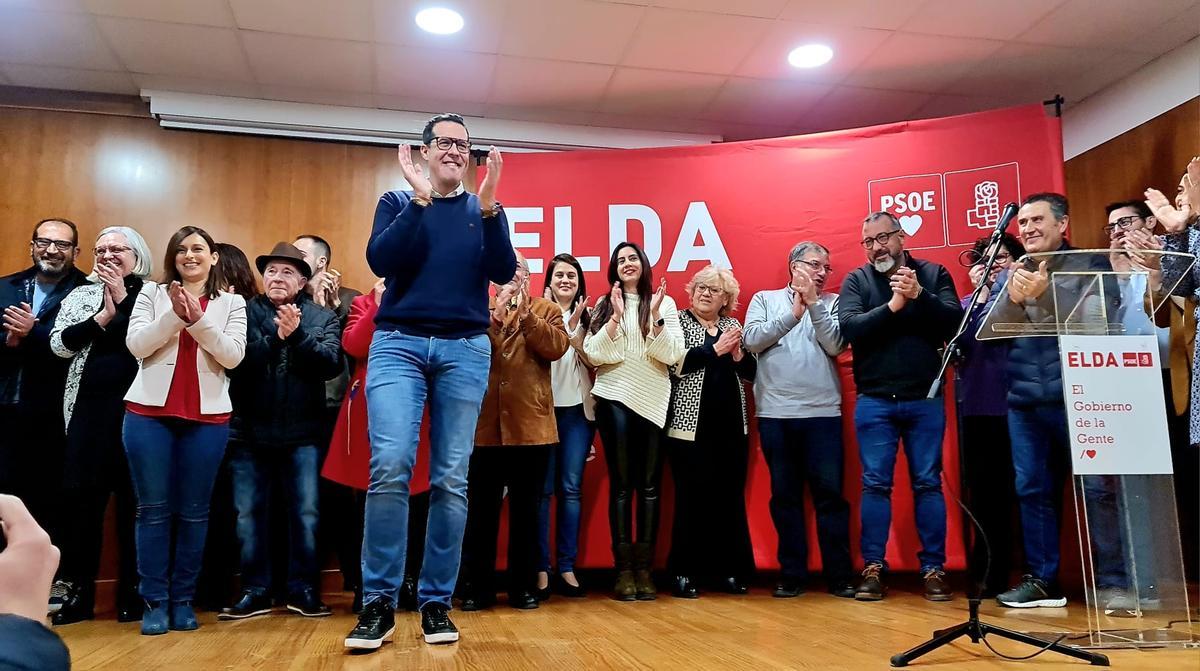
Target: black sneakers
x: 436, y: 624
x: 1032, y: 593
x: 871, y: 588
x: 377, y: 622
x: 308, y: 604
x: 250, y: 605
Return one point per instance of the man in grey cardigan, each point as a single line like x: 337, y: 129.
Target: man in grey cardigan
x: 795, y: 333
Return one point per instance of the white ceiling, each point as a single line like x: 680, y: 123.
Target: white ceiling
x: 699, y: 66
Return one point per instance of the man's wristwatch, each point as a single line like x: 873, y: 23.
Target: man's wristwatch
x: 489, y: 213
x: 660, y: 322
x: 422, y: 201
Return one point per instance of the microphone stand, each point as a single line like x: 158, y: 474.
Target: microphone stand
x: 974, y: 628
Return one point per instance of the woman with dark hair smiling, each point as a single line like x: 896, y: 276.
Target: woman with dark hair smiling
x: 634, y: 336
x: 571, y: 385
x: 185, y: 333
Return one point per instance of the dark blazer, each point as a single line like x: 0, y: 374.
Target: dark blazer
x: 31, y: 373
x: 278, y: 390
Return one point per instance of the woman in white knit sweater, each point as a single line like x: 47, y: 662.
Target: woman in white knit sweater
x: 634, y: 337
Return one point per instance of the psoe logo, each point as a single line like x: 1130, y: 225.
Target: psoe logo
x: 975, y: 197
x: 1109, y: 360
x: 918, y: 201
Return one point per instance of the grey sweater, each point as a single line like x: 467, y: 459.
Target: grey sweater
x: 797, y: 373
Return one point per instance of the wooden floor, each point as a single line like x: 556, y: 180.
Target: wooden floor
x: 814, y: 631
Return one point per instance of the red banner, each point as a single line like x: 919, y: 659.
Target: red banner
x: 744, y: 205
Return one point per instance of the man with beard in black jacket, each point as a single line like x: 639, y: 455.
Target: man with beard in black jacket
x: 32, y: 376
x: 293, y: 346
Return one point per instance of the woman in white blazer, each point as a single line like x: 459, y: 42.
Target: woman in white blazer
x: 185, y: 333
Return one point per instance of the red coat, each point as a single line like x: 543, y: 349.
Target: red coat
x: 349, y: 457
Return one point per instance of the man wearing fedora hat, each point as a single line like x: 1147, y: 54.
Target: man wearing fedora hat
x: 293, y: 346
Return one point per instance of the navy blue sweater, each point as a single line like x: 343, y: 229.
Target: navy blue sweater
x: 436, y: 262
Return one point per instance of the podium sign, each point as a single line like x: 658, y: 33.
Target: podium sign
x: 1116, y: 411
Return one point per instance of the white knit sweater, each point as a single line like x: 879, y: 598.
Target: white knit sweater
x: 633, y: 370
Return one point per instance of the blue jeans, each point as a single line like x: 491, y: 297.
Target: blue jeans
x: 800, y: 451
x: 564, y: 477
x: 173, y: 464
x: 1041, y: 450
x: 402, y: 372
x: 881, y: 425
x: 255, y: 469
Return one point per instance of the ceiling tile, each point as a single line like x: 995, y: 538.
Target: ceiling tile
x: 953, y: 105
x: 764, y: 101
x: 697, y: 42
x: 204, y: 12
x: 931, y: 63
x: 46, y: 38
x: 888, y: 15
x: 317, y: 96
x: 403, y: 71
x: 978, y: 18
x: 309, y: 62
x: 1027, y: 71
x: 539, y: 115
x: 767, y: 9
x: 571, y: 30
x: 395, y: 23
x: 344, y: 19
x: 70, y: 79
x: 46, y: 5
x: 1107, y: 24
x: 177, y: 49
x: 660, y: 92
x: 851, y: 46
x: 528, y: 82
x: 235, y: 89
x: 1172, y: 34
x: 430, y: 105
x: 1108, y: 70
x: 853, y: 107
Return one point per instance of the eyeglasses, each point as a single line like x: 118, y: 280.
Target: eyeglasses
x: 114, y: 250
x: 881, y: 239
x: 816, y: 266
x: 445, y: 143
x: 60, y: 245
x: 1124, y: 223
x: 705, y: 289
x: 970, y: 257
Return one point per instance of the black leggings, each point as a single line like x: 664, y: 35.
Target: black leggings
x: 632, y: 450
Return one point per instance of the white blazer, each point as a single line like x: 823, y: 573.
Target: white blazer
x: 153, y: 338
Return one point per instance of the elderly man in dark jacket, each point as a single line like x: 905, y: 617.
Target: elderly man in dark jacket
x: 32, y: 377
x: 293, y: 346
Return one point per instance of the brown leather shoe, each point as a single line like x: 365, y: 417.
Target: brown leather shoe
x: 871, y: 588
x: 936, y: 587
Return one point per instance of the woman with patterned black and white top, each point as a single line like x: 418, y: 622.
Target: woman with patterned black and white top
x: 633, y: 338
x: 708, y: 442
x: 90, y: 330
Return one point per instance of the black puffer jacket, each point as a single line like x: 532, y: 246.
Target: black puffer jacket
x: 278, y: 390
x: 1034, y: 373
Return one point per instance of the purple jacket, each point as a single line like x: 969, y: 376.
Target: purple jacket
x: 982, y: 384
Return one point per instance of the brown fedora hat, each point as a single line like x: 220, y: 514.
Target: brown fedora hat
x: 287, y: 252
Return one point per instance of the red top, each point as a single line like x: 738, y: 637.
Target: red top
x: 183, y: 399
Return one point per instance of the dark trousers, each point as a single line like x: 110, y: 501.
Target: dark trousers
x: 990, y: 494
x: 632, y: 450
x: 522, y: 470
x: 31, y: 460
x: 808, y: 451
x: 710, y: 536
x: 255, y: 469
x: 1186, y: 462
x: 82, y: 533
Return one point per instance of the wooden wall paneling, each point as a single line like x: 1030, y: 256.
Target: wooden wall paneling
x: 1154, y: 154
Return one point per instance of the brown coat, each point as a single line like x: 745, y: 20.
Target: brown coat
x: 519, y: 406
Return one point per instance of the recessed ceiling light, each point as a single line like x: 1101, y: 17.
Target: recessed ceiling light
x: 810, y: 56
x: 439, y: 21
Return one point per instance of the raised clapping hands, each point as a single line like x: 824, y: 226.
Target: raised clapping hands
x: 904, y: 288
x: 422, y: 187
x: 616, y: 298
x: 1025, y: 284
x: 491, y: 181
x: 185, y: 305
x: 18, y: 321
x: 656, y: 301
x: 287, y: 320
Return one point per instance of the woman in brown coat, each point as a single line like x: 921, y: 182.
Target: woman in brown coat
x: 513, y: 437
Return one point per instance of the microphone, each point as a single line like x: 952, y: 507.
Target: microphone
x: 1006, y: 216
